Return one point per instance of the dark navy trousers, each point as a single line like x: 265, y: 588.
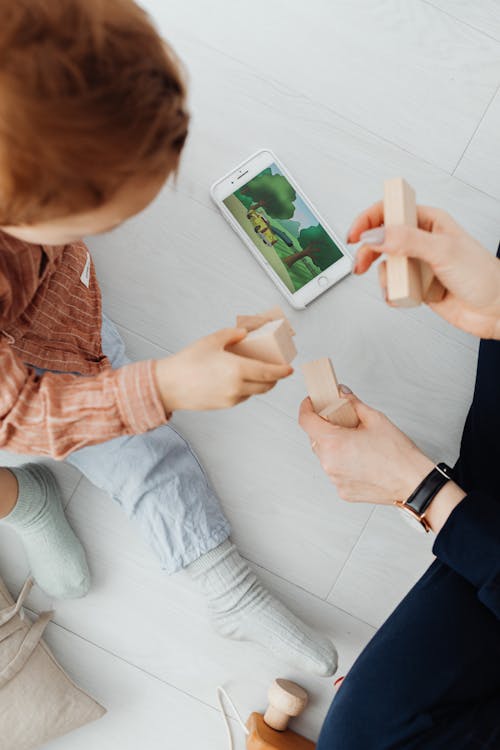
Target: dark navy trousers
x: 430, y: 677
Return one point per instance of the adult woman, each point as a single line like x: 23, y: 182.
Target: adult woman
x: 430, y: 677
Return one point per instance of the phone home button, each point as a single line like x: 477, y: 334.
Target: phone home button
x: 322, y: 281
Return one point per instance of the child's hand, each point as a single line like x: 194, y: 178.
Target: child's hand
x: 206, y: 376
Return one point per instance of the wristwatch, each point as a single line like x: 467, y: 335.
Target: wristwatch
x: 418, y: 502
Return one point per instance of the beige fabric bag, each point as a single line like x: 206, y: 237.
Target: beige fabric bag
x: 38, y: 701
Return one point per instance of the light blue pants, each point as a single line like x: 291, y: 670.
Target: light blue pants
x: 158, y: 481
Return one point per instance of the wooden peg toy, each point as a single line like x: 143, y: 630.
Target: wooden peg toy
x: 286, y: 699
x: 409, y: 281
x: 270, y: 343
x: 323, y: 391
x: 270, y: 732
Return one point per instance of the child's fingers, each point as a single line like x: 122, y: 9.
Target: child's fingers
x: 369, y: 219
x: 382, y: 277
x: 253, y: 389
x: 255, y: 371
x: 227, y: 336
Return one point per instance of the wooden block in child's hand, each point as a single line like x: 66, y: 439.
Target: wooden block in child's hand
x: 262, y: 737
x: 271, y: 343
x: 323, y: 391
x: 251, y: 322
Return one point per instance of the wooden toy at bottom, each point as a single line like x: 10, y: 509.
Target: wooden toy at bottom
x: 269, y: 731
x: 323, y: 391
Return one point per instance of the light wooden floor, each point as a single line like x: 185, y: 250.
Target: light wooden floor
x: 347, y: 92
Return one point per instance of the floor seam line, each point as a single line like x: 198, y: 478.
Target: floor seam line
x: 350, y: 555
x: 476, y: 130
x: 461, y: 20
x: 124, y: 660
x: 311, y: 593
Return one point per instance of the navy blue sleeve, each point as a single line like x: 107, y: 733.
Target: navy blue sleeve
x: 469, y: 543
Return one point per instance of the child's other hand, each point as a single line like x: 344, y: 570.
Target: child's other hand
x: 206, y: 376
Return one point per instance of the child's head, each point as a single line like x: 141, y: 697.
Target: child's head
x: 92, y: 116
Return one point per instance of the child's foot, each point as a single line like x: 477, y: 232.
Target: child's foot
x: 56, y: 557
x: 243, y: 609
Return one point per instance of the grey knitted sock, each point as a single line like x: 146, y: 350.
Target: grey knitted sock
x: 56, y: 557
x: 243, y: 609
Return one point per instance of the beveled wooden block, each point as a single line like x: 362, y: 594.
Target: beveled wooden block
x: 271, y: 343
x: 251, y: 322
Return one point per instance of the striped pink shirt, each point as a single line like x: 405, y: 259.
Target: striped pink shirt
x: 50, y: 317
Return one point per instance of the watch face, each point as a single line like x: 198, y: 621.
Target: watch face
x: 411, y: 519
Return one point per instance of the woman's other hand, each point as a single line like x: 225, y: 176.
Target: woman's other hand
x: 374, y: 462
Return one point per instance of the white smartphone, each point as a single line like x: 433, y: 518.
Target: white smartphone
x: 281, y: 228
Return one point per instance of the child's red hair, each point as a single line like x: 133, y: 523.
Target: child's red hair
x: 90, y: 97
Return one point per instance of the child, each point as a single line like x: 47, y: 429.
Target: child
x: 92, y: 122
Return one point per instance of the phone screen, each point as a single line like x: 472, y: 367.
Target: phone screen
x: 283, y: 228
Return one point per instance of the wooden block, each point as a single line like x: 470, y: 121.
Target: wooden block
x: 409, y: 281
x: 271, y: 343
x: 323, y: 391
x: 251, y: 322
x: 262, y: 737
x: 341, y: 413
x: 321, y: 383
x: 404, y: 284
x: 276, y: 313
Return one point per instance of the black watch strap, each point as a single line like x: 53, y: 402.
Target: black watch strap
x: 426, y: 491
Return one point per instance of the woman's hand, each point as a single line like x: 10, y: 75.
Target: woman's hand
x: 469, y: 273
x: 374, y: 462
x: 206, y: 376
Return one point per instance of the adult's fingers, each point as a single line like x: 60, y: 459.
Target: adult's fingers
x: 429, y: 218
x: 311, y: 423
x: 365, y: 257
x: 409, y: 242
x: 364, y: 412
x: 382, y: 277
x: 370, y: 218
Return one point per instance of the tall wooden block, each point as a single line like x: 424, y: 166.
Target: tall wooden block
x: 409, y: 281
x: 271, y: 343
x: 404, y: 284
x: 321, y: 383
x: 323, y: 391
x: 262, y: 737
